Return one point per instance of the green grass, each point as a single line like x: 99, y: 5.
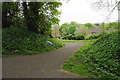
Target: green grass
x: 76, y: 63
x: 98, y: 59
x: 77, y: 40
x: 20, y: 41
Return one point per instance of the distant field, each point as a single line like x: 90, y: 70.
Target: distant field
x: 77, y: 40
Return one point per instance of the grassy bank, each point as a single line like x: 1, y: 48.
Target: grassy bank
x: 76, y: 63
x: 98, y: 59
x: 20, y: 41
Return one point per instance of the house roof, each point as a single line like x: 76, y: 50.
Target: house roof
x: 95, y: 29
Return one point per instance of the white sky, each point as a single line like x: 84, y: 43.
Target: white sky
x: 80, y: 11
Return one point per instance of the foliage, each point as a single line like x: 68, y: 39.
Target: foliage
x: 102, y: 28
x: 69, y: 37
x: 101, y: 57
x: 104, y: 59
x: 89, y: 25
x: 111, y: 26
x: 83, y: 30
x: 9, y: 13
x: 55, y: 31
x: 73, y: 37
x: 75, y: 24
x: 35, y: 16
x: 56, y: 42
x: 76, y: 63
x: 97, y: 24
x: 41, y: 15
x: 64, y: 28
x: 93, y: 36
x: 79, y: 37
x: 63, y: 32
x: 71, y: 29
x: 68, y: 28
x: 108, y: 27
x: 18, y: 40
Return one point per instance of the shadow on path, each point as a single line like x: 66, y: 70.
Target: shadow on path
x: 46, y: 65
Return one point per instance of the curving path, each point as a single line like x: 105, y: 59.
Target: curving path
x: 46, y: 65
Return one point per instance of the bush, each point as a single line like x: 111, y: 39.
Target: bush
x: 83, y: 30
x: 18, y: 40
x: 64, y: 37
x: 93, y: 36
x: 102, y: 57
x: 79, y: 37
x: 71, y: 37
x: 56, y: 42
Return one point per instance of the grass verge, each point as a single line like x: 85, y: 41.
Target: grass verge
x: 76, y: 63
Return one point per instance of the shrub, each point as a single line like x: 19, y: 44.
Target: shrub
x: 93, y: 36
x: 71, y: 37
x: 56, y: 42
x: 83, y: 30
x: 102, y: 57
x: 79, y: 37
x: 19, y: 40
x: 64, y: 37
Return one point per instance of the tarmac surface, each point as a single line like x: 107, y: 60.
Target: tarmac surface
x: 45, y: 65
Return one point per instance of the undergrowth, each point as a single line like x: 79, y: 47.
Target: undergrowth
x: 100, y: 58
x: 18, y: 40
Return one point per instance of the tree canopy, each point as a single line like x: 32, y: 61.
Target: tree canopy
x: 71, y: 29
x: 37, y: 16
x: 89, y: 25
x: 9, y: 13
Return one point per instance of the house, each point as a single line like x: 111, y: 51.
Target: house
x: 95, y: 30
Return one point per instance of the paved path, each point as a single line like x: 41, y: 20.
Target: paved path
x: 46, y: 65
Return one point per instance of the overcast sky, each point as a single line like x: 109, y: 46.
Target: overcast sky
x: 80, y: 11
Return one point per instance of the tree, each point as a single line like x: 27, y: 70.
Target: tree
x: 71, y: 29
x: 73, y: 23
x: 55, y: 31
x: 89, y: 25
x: 106, y: 6
x: 111, y: 26
x: 64, y: 28
x: 83, y: 30
x: 97, y: 24
x: 63, y: 32
x: 102, y: 28
x: 41, y: 15
x: 37, y: 16
x: 10, y: 12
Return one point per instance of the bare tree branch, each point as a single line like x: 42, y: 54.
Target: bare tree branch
x: 113, y: 9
